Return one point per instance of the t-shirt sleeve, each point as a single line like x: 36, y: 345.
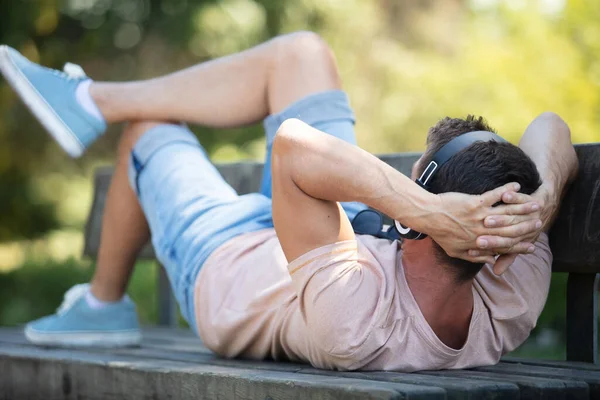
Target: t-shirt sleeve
x: 341, y: 297
x: 516, y: 299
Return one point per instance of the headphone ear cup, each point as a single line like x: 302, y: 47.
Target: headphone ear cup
x: 407, y: 233
x: 402, y: 230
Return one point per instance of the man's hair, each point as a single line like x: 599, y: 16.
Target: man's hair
x: 480, y: 167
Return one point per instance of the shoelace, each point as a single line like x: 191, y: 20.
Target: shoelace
x: 74, y: 71
x: 71, y: 296
x: 70, y: 72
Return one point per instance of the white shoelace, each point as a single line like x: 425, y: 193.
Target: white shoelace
x: 70, y: 72
x: 71, y: 296
x: 74, y: 71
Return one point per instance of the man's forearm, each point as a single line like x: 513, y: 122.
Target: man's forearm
x: 547, y: 141
x: 327, y: 168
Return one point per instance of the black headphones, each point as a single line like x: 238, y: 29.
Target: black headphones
x: 370, y: 222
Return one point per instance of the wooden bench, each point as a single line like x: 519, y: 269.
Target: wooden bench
x: 172, y: 363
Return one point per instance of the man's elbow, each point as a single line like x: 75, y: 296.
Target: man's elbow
x: 554, y: 120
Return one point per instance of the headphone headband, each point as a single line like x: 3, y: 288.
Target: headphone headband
x: 443, y: 155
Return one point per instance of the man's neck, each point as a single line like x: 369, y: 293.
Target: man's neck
x: 446, y: 304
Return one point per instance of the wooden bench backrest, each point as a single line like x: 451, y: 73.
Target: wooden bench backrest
x: 574, y: 238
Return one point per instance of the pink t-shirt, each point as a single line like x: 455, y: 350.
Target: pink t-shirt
x: 348, y: 306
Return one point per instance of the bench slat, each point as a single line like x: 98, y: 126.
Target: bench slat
x: 552, y: 363
x: 188, y: 345
x: 51, y: 373
x: 175, y: 351
x: 530, y: 387
x: 157, y: 347
x: 456, y: 388
x: 575, y: 235
x: 592, y: 378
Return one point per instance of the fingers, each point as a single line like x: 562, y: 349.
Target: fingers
x: 503, y: 245
x: 498, y: 221
x: 494, y: 196
x: 483, y: 259
x: 516, y: 209
x: 522, y: 247
x: 503, y: 262
x: 478, y: 253
x: 521, y: 229
x: 516, y: 198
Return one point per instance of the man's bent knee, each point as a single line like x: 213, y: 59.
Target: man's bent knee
x: 304, y: 46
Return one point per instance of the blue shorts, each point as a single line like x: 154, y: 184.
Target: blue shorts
x: 190, y: 208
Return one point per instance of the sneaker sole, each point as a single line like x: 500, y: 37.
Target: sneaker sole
x: 60, y: 131
x: 81, y: 339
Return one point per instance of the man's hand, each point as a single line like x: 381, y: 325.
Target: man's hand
x: 547, y: 202
x: 458, y: 222
x: 547, y: 140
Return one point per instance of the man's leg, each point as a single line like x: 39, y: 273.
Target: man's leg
x: 289, y: 68
x: 232, y: 91
x: 124, y: 227
x: 101, y: 315
x: 256, y: 83
x: 253, y: 84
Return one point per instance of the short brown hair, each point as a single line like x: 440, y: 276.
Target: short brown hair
x: 480, y: 167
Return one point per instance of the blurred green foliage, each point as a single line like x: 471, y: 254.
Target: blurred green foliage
x: 405, y: 64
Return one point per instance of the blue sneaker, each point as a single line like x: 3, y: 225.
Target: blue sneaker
x: 50, y: 95
x: 76, y: 324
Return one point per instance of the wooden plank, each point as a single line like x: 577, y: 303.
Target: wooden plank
x: 552, y: 363
x: 591, y: 378
x: 245, y: 177
x: 167, y: 304
x: 456, y: 388
x: 93, y: 226
x: 158, y: 346
x: 575, y: 235
x: 161, y: 332
x: 29, y: 372
x: 582, y: 317
x: 500, y: 381
x: 530, y: 388
x: 194, y: 356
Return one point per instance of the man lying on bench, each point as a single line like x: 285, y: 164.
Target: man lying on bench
x: 281, y: 274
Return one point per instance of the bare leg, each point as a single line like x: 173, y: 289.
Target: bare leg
x: 233, y: 91
x: 124, y: 227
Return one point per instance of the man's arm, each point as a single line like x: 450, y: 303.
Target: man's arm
x: 547, y: 141
x: 312, y: 171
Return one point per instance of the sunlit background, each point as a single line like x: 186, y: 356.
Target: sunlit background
x: 405, y: 64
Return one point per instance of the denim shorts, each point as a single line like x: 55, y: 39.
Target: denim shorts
x: 190, y: 208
